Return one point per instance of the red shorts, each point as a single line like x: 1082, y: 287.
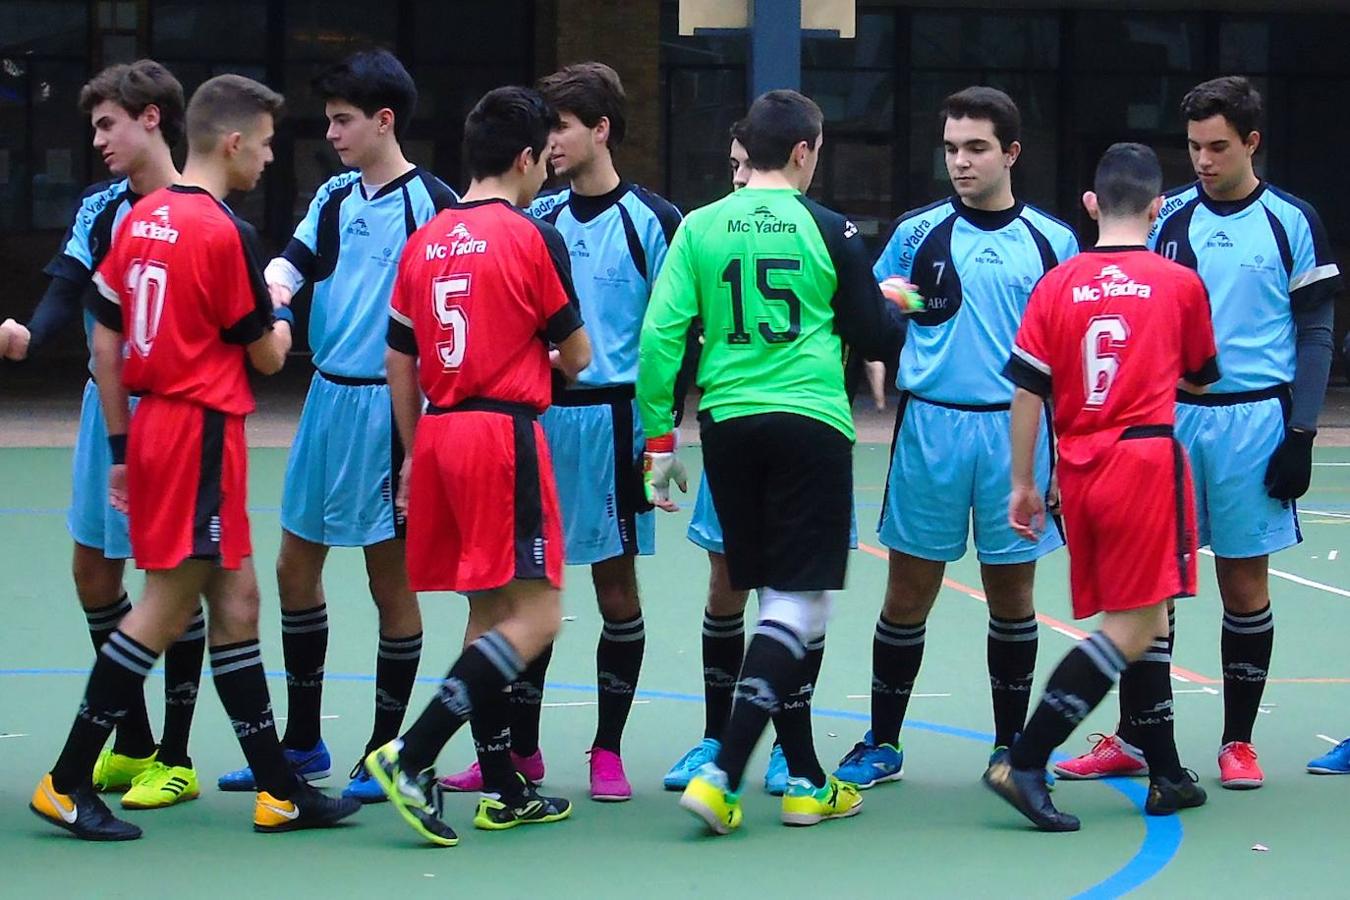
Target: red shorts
x: 1129, y: 520
x: 187, y: 485
x: 482, y: 503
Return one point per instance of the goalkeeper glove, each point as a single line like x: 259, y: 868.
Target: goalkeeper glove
x: 660, y: 466
x: 1290, y: 466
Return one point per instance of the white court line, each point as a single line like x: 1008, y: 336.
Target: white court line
x: 5, y: 737
x: 1333, y: 554
x: 1329, y: 740
x: 1325, y: 512
x: 1332, y: 465
x: 1298, y: 579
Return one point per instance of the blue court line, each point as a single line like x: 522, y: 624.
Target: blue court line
x: 1162, y: 834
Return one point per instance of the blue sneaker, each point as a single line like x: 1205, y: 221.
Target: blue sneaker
x: 776, y: 775
x: 311, y: 765
x: 1335, y: 761
x: 868, y: 763
x: 677, y: 779
x: 1049, y: 772
x: 363, y: 786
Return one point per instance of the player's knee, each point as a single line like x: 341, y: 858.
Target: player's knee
x: 98, y: 580
x: 234, y: 616
x: 805, y: 613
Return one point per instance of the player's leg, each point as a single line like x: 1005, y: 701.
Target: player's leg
x: 304, y: 638
x: 1247, y: 640
x: 65, y: 796
x: 284, y: 802
x: 618, y: 662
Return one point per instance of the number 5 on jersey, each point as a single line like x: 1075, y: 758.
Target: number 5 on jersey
x: 1105, y: 338
x: 454, y: 323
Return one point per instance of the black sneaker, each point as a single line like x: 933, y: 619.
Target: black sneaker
x: 306, y: 808
x: 1166, y: 796
x: 416, y: 797
x: 1025, y: 791
x: 498, y: 813
x: 81, y: 812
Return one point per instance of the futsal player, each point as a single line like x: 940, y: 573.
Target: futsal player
x: 136, y: 111
x: 974, y: 258
x: 779, y: 283
x: 1107, y: 338
x: 616, y: 234
x: 181, y: 305
x: 342, y: 473
x: 482, y: 294
x: 1273, y: 280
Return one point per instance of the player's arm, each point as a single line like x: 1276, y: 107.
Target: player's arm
x: 1029, y: 371
x: 104, y: 303
x: 866, y: 320
x: 246, y: 313
x: 59, y: 307
x: 267, y: 354
x: 572, y: 353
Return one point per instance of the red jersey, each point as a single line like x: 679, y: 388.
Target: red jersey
x: 182, y: 282
x: 481, y: 291
x: 1107, y: 335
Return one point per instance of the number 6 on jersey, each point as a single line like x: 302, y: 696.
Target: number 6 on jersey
x: 1104, y: 339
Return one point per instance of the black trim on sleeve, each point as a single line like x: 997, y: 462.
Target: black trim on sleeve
x: 400, y: 337
x: 245, y: 331
x: 1026, y: 376
x: 1207, y: 374
x: 562, y: 323
x: 241, y: 332
x: 562, y: 260
x: 666, y: 213
x: 105, y: 312
x: 327, y: 238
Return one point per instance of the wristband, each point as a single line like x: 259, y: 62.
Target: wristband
x: 284, y: 314
x: 662, y: 444
x: 117, y: 443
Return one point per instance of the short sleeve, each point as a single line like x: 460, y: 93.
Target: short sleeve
x: 1029, y: 366
x: 105, y: 301
x: 400, y: 335
x: 558, y: 306
x: 1198, y: 352
x: 1315, y: 277
x: 244, y: 307
x: 312, y: 249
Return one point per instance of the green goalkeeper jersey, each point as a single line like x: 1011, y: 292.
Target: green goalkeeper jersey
x: 781, y: 284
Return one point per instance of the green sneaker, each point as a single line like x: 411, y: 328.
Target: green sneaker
x: 806, y: 804
x: 116, y: 772
x: 160, y: 786
x: 497, y: 813
x: 416, y: 797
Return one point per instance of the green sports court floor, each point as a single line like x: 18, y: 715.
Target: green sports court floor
x: 938, y: 832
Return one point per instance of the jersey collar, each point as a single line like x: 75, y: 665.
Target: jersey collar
x: 1231, y: 207
x: 984, y: 219
x: 389, y: 188
x: 1115, y: 248
x: 585, y: 208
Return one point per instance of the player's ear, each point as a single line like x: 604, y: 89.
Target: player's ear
x: 601, y: 131
x: 384, y: 120
x: 1155, y: 209
x: 1013, y: 152
x: 150, y: 117
x: 1090, y: 204
x: 1252, y: 143
x: 231, y: 142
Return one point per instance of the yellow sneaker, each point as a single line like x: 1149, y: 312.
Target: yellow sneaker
x: 806, y: 804
x: 115, y: 772
x: 160, y: 786
x: 709, y: 797
x: 306, y: 808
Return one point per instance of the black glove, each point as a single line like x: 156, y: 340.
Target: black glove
x: 1290, y: 467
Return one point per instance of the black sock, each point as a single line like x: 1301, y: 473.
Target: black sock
x: 491, y: 727
x: 182, y: 678
x: 488, y: 664
x: 618, y: 660
x: 1245, y: 648
x: 304, y: 646
x: 772, y: 669
x: 1012, y: 665
x: 1078, y: 684
x: 134, y: 736
x: 395, y: 674
x: 723, y: 652
x: 897, y: 651
x: 792, y: 723
x: 527, y: 698
x: 1125, y: 730
x: 1146, y: 698
x: 117, y: 679
x: 242, y: 685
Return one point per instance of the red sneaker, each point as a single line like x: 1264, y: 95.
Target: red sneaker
x: 1238, y: 769
x: 1110, y: 757
x: 471, y: 779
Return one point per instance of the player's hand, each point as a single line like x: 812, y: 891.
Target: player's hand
x: 404, y: 479
x: 555, y: 358
x: 117, y: 487
x: 280, y: 294
x: 14, y: 338
x: 1290, y: 468
x: 660, y: 466
x: 1052, y: 495
x: 901, y: 292
x: 1026, y: 511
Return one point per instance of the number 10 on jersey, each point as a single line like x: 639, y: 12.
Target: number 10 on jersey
x: 454, y: 323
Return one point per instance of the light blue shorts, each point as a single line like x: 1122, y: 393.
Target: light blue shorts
x: 705, y: 530
x: 340, y: 477
x: 92, y: 521
x: 949, y: 467
x: 597, y: 451
x: 1229, y: 447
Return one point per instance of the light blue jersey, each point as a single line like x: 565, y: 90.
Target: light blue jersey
x: 87, y: 241
x: 348, y: 246
x: 1262, y: 259
x: 617, y: 243
x: 975, y: 270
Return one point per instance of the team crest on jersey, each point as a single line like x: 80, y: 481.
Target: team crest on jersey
x: 849, y: 229
x: 1111, y: 282
x: 1219, y: 239
x: 579, y: 249
x: 359, y: 228
x: 461, y: 243
x: 762, y: 221
x: 156, y: 231
x: 989, y: 257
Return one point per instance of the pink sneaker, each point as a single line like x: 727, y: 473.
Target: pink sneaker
x: 471, y: 779
x: 1110, y: 757
x: 1238, y: 768
x: 608, y: 781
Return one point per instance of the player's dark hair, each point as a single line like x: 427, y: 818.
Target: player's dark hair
x: 1232, y: 97
x: 1129, y: 178
x: 135, y: 86
x: 225, y: 104
x: 737, y: 131
x: 776, y: 123
x: 504, y: 122
x: 590, y: 91
x: 371, y: 80
x: 990, y: 105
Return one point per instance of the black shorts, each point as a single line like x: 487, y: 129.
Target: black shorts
x: 783, y: 487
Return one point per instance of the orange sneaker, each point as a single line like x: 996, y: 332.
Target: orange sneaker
x: 1238, y: 768
x: 1110, y: 757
